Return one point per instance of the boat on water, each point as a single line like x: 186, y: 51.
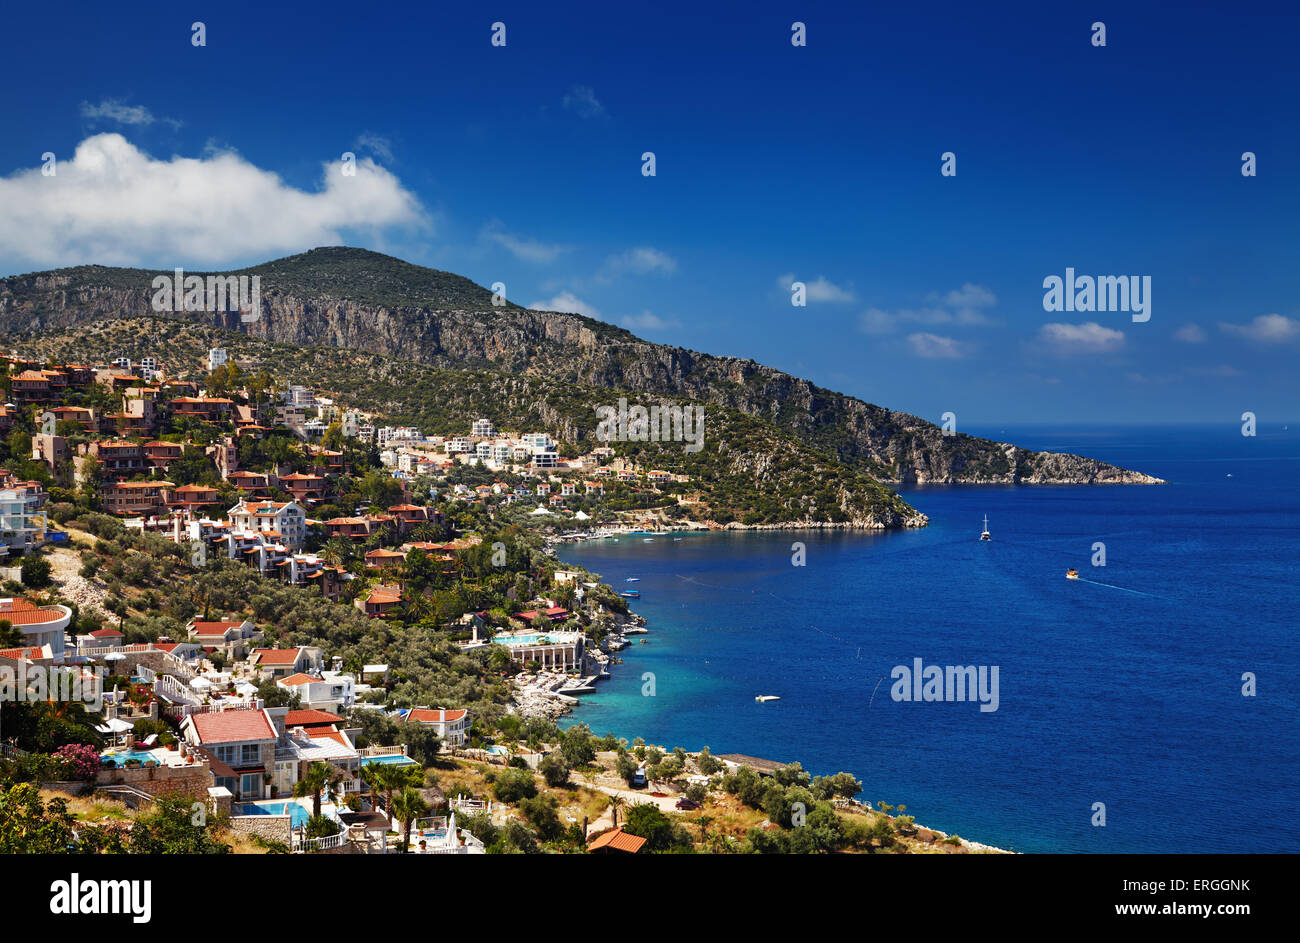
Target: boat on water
x: 764, y: 698
x: 632, y: 579
x: 986, y: 535
x: 630, y: 594
x: 648, y: 540
x: 1071, y: 574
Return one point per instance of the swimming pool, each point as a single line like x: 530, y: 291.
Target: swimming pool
x: 121, y: 756
x: 389, y: 759
x: 298, y: 813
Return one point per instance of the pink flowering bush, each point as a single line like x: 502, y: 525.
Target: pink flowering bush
x: 78, y: 761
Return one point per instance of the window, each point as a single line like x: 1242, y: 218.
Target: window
x: 249, y: 753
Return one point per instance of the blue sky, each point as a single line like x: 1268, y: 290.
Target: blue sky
x: 522, y: 164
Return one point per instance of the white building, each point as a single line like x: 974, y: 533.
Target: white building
x: 285, y: 520
x: 216, y: 357
x: 482, y: 428
x: 22, y: 525
x: 329, y: 691
x: 40, y: 625
x: 451, y: 726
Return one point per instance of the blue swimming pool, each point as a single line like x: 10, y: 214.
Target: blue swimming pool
x: 391, y: 759
x: 298, y: 813
x: 121, y: 756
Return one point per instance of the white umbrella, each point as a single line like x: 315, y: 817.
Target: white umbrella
x: 114, y: 656
x: 115, y: 726
x: 199, y: 684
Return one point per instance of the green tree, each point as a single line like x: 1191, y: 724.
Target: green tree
x: 554, y: 770
x: 30, y: 827
x: 173, y: 826
x: 408, y: 806
x: 35, y: 571
x: 319, y: 779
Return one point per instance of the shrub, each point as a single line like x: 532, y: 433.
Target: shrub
x: 513, y: 785
x: 78, y: 761
x: 554, y: 770
x: 35, y: 571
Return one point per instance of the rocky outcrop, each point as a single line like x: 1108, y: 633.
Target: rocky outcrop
x: 365, y: 301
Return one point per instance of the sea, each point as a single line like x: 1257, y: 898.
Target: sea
x: 1152, y: 705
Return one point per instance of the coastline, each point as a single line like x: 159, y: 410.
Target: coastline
x: 552, y: 695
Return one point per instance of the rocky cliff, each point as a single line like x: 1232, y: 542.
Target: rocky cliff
x: 364, y: 301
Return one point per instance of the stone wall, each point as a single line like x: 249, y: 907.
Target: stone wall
x: 269, y: 827
x: 193, y: 781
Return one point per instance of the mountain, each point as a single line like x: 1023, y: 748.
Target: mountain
x: 364, y: 301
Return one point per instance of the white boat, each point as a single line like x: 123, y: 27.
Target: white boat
x: 764, y: 698
x: 632, y: 579
x: 986, y: 535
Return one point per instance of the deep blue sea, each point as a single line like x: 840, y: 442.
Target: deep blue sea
x: 1123, y: 688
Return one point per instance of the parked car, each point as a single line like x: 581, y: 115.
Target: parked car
x: 684, y: 803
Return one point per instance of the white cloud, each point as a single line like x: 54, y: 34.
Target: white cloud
x: 1087, y: 338
x: 646, y: 321
x: 116, y: 110
x: 934, y: 347
x: 113, y: 204
x: 582, y: 100
x: 529, y: 250
x: 568, y: 302
x: 1266, y: 329
x: 970, y: 296
x: 643, y: 260
x: 820, y: 289
x: 377, y: 144
x: 959, y: 307
x: 1190, y: 334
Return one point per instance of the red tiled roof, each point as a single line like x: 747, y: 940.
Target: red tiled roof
x: 17, y: 653
x: 439, y: 716
x: 309, y: 718
x: 231, y: 726
x: 215, y: 628
x: 299, y: 678
x: 277, y: 656
x: 24, y: 612
x: 617, y: 840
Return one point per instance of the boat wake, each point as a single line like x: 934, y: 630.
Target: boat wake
x: 1080, y: 579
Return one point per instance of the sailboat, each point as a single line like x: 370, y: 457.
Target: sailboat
x: 986, y: 535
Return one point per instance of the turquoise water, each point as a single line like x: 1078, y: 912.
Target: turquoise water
x: 299, y: 814
x: 1124, y: 687
x: 394, y: 759
x: 525, y: 639
x: 120, y: 758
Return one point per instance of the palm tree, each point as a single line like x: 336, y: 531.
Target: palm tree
x: 335, y: 551
x: 387, y: 777
x: 319, y: 778
x: 616, y: 803
x: 407, y: 807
